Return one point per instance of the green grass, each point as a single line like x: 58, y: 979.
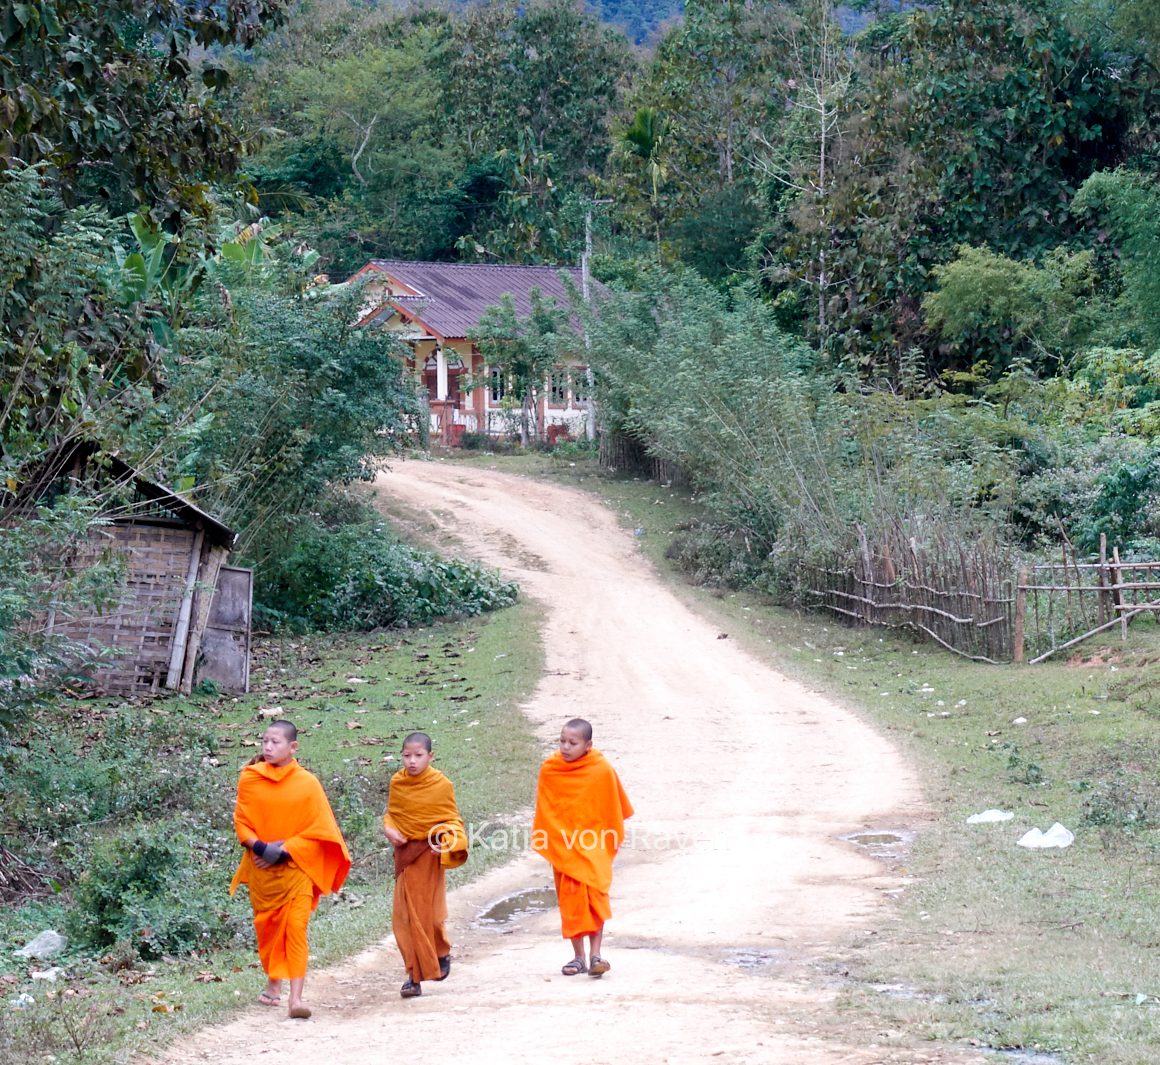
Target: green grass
x: 993, y: 944
x: 353, y: 699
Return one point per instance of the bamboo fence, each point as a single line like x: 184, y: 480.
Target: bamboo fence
x: 1061, y: 604
x: 623, y: 452
x: 959, y: 595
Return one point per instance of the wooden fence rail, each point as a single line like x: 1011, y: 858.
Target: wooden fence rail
x: 971, y: 600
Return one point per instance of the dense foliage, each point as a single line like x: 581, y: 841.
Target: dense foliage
x: 358, y: 576
x: 110, y: 94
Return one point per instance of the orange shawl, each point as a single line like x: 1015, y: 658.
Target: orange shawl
x: 581, y: 808
x: 286, y: 802
x: 423, y: 807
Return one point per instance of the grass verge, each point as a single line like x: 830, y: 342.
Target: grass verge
x: 353, y: 699
x: 992, y: 945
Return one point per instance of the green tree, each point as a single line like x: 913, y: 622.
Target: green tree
x: 547, y: 68
x: 994, y: 311
x: 1128, y: 204
x: 108, y: 93
x: 985, y: 119
x: 292, y: 397
x: 523, y: 352
x: 73, y: 351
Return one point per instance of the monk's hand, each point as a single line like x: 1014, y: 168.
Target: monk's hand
x: 396, y: 837
x: 275, y: 853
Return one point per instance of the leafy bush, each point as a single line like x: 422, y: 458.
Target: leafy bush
x: 157, y: 885
x: 357, y: 577
x: 715, y: 555
x: 130, y: 763
x: 474, y: 441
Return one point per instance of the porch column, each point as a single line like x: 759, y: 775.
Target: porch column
x: 440, y: 374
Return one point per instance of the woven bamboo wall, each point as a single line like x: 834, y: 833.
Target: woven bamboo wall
x: 141, y: 625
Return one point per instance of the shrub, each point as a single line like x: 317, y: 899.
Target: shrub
x: 357, y: 577
x: 715, y: 555
x: 157, y: 885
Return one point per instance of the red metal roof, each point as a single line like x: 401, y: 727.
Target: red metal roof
x: 450, y: 298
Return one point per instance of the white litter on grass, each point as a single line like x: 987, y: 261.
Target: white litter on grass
x: 44, y: 945
x: 989, y: 816
x: 1055, y: 836
x: 1019, y: 721
x: 48, y: 974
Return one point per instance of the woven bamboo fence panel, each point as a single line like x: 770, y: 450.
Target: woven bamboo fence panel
x: 141, y: 623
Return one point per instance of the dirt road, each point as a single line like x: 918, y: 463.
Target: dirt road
x: 735, y: 887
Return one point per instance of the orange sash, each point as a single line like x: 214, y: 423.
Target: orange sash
x: 287, y: 803
x: 423, y: 807
x: 581, y: 808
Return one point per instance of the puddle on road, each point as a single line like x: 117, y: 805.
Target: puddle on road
x: 511, y: 908
x: 884, y: 844
x: 1019, y: 1056
x: 754, y: 960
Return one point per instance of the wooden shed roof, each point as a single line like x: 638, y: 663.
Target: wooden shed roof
x: 73, y: 458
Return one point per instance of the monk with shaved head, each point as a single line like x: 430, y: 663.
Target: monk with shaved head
x: 294, y: 854
x: 423, y: 824
x: 578, y: 826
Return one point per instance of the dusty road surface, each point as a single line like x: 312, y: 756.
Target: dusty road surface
x: 734, y: 888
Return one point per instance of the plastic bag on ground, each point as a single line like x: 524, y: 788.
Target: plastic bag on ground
x: 45, y: 945
x: 989, y: 816
x: 1055, y: 836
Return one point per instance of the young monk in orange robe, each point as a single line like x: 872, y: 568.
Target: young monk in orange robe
x: 294, y: 854
x: 429, y: 837
x: 578, y: 826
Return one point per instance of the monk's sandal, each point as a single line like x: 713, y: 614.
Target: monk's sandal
x: 444, y: 967
x: 575, y: 967
x: 598, y: 966
x: 410, y: 990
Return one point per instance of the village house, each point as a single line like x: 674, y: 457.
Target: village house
x: 181, y: 614
x: 435, y: 307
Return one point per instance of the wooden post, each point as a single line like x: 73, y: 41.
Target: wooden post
x: 1118, y: 593
x: 1103, y: 599
x: 868, y: 577
x: 1020, y: 614
x: 200, y: 613
x: 1067, y: 595
x: 181, y: 629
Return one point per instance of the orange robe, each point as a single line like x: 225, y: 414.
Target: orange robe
x: 423, y: 809
x: 287, y: 803
x: 581, y: 808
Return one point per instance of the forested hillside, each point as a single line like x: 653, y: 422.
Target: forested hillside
x: 928, y: 230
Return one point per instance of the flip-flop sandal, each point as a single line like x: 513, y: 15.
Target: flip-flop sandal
x: 575, y: 967
x: 266, y: 999
x: 445, y: 967
x: 410, y: 990
x: 300, y: 1013
x: 598, y: 966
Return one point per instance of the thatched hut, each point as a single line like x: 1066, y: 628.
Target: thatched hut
x: 181, y: 615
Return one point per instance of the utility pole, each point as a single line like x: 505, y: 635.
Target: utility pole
x: 590, y: 425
